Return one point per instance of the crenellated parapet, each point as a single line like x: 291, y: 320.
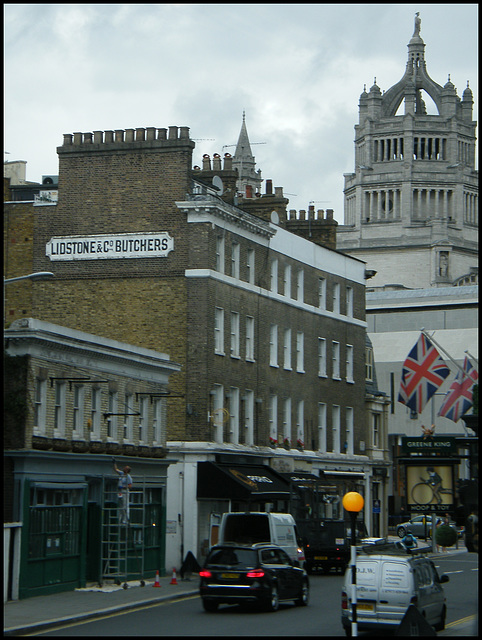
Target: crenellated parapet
x: 315, y: 226
x: 142, y: 137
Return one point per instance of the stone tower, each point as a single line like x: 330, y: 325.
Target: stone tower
x: 249, y: 179
x: 411, y: 206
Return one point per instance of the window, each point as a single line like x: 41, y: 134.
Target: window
x: 322, y: 427
x: 369, y: 364
x: 249, y: 338
x: 349, y: 431
x: 234, y: 334
x: 287, y: 349
x: 273, y: 419
x: 112, y: 420
x: 287, y: 281
x: 322, y: 293
x: 376, y: 429
x: 336, y: 298
x: 235, y: 260
x: 300, y: 352
x: 300, y: 285
x: 322, y: 357
x: 250, y: 266
x: 349, y: 363
x: 219, y: 331
x: 274, y: 276
x: 234, y: 415
x: 220, y: 254
x: 336, y: 428
x: 336, y: 360
x: 249, y: 417
x: 287, y: 421
x: 158, y: 428
x: 95, y: 413
x: 217, y: 417
x: 40, y: 405
x: 300, y: 424
x: 129, y: 418
x: 349, y: 302
x: 273, y: 345
x: 78, y: 411
x: 143, y: 418
x: 59, y: 410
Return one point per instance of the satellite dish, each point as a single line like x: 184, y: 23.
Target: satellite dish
x: 218, y: 183
x: 274, y: 217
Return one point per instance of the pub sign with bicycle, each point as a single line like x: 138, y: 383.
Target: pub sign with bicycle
x: 429, y: 473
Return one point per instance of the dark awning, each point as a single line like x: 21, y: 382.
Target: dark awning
x: 239, y: 482
x: 305, y: 480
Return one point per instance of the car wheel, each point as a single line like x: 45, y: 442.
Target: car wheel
x: 273, y: 602
x: 210, y: 606
x: 304, y: 596
x: 400, y: 532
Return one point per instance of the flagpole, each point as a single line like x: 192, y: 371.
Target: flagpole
x: 464, y: 373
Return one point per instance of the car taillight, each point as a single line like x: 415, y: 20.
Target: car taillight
x: 344, y: 600
x: 255, y: 573
x: 205, y: 574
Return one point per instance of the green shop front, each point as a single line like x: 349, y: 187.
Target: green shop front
x: 72, y: 532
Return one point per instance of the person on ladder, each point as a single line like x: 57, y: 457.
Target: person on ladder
x: 123, y: 486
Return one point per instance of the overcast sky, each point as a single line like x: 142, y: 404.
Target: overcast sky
x: 297, y: 70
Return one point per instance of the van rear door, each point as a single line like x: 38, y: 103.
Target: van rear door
x: 395, y: 590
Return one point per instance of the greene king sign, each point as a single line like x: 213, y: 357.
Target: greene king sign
x: 127, y: 245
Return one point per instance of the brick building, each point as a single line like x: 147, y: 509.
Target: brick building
x: 268, y: 325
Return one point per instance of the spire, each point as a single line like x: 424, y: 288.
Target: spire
x: 244, y: 162
x: 243, y: 148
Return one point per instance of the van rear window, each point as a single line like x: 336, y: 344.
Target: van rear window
x: 247, y: 529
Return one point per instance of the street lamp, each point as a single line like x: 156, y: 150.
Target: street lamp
x: 353, y: 502
x: 38, y: 275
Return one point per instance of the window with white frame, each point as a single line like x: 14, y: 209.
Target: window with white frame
x: 218, y: 414
x: 300, y: 424
x: 250, y: 266
x: 219, y: 331
x: 273, y: 419
x: 369, y: 364
x: 300, y: 284
x: 112, y: 419
x: 322, y: 427
x: 234, y: 415
x: 59, y: 409
x: 349, y: 363
x: 143, y: 418
x: 234, y: 334
x: 349, y: 302
x: 322, y: 358
x: 349, y: 431
x: 235, y: 251
x: 95, y: 409
x: 129, y: 418
x: 335, y: 419
x: 249, y: 417
x: 273, y: 345
x: 300, y: 352
x: 336, y: 360
x: 158, y: 428
x: 376, y: 421
x: 322, y: 293
x: 274, y: 276
x: 78, y: 411
x: 249, y: 338
x: 220, y: 254
x: 336, y: 298
x: 287, y: 349
x: 287, y: 281
x: 287, y: 421
x: 40, y: 406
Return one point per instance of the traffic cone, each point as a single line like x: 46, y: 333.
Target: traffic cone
x: 156, y: 582
x: 173, y: 579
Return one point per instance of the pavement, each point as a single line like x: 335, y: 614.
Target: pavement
x: 41, y: 613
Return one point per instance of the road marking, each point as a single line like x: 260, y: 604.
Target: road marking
x: 461, y: 621
x: 453, y: 571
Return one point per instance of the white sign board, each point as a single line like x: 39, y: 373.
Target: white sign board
x: 127, y: 245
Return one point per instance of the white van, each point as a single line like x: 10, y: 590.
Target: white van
x: 387, y: 585
x: 258, y: 526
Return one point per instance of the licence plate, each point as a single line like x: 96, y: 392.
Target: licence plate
x: 321, y: 557
x: 230, y: 576
x: 364, y: 607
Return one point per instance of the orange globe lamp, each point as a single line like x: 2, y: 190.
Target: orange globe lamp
x: 353, y: 502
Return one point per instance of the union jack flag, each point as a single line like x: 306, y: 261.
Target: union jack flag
x: 422, y: 374
x: 459, y: 397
